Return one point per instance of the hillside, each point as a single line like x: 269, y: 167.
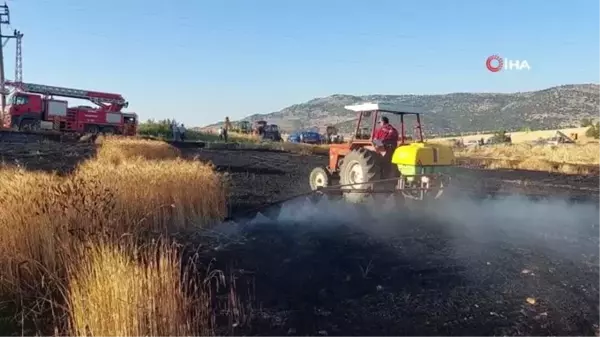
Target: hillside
x: 555, y: 107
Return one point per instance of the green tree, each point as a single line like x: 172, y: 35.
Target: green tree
x: 593, y: 131
x: 161, y: 128
x: 500, y: 137
x: 587, y: 122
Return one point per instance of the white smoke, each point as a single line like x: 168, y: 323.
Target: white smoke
x: 471, y: 227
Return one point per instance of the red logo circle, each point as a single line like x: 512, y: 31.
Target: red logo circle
x: 494, y: 68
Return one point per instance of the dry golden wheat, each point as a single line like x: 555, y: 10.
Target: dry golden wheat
x: 244, y: 137
x: 50, y: 224
x: 565, y: 158
x: 120, y: 290
x: 118, y: 149
x: 161, y: 194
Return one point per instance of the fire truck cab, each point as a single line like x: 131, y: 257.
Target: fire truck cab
x: 33, y: 107
x: 130, y: 122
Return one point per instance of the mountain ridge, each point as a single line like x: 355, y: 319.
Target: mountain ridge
x: 553, y: 107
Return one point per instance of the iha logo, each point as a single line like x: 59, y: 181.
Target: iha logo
x: 495, y: 63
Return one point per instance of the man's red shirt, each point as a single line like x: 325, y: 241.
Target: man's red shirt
x: 387, y: 132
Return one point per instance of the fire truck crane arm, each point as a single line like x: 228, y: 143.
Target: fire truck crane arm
x: 93, y: 96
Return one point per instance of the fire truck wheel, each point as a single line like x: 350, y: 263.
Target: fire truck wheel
x: 108, y: 130
x: 29, y: 125
x: 93, y: 129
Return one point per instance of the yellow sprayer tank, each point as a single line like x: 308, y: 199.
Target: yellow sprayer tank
x: 423, y: 158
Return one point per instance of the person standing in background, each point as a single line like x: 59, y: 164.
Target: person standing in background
x: 182, y: 132
x: 226, y: 128
x: 175, y: 129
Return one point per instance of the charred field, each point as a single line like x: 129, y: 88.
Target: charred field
x: 509, y: 252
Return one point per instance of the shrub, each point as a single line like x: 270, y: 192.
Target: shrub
x: 593, y: 131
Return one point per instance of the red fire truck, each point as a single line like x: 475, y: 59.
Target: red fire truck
x: 33, y: 107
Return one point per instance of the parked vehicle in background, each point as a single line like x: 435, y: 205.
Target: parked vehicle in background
x: 307, y: 137
x: 332, y: 136
x: 259, y: 127
x: 335, y: 139
x: 271, y: 132
x: 32, y: 107
x: 242, y: 127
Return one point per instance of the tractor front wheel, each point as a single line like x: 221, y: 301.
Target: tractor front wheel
x: 319, y: 177
x: 360, y: 168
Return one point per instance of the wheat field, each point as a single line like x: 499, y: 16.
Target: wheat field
x: 71, y: 250
x: 522, y: 136
x: 562, y: 158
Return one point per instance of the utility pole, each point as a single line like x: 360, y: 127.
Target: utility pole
x: 19, y: 57
x: 4, y: 20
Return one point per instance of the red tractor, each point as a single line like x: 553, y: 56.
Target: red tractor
x: 364, y: 166
x: 32, y: 107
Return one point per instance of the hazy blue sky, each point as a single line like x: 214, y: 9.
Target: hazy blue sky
x: 198, y: 61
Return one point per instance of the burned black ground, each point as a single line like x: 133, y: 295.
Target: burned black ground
x: 44, y: 155
x: 464, y: 268
x: 501, y: 269
x: 259, y: 178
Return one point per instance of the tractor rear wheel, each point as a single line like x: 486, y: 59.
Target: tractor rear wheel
x: 319, y: 177
x: 360, y: 168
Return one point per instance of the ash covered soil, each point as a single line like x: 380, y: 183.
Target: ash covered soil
x: 46, y: 156
x: 475, y: 264
x: 488, y: 262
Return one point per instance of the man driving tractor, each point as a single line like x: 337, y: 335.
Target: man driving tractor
x: 386, y: 135
x: 384, y: 162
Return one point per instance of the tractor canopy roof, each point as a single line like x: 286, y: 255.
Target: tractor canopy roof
x: 399, y: 109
